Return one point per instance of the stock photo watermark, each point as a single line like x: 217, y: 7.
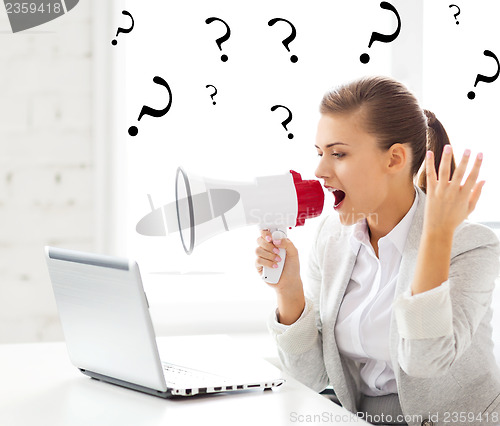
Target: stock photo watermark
x: 323, y: 417
x: 451, y: 418
x: 25, y: 15
x: 259, y: 216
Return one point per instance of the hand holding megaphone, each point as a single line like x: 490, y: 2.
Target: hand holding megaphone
x: 273, y: 274
x: 271, y: 255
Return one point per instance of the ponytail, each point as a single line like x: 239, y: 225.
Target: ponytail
x: 437, y: 138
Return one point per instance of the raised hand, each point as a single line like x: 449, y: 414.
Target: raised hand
x: 449, y: 202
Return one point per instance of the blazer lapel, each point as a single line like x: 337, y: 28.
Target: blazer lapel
x: 339, y: 266
x: 405, y: 278
x: 409, y: 258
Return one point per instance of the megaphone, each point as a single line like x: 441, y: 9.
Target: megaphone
x: 206, y: 207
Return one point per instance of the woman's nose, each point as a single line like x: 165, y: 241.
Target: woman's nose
x: 322, y: 171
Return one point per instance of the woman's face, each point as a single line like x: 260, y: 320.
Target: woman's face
x: 352, y: 166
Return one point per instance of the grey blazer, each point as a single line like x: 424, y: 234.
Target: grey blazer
x: 444, y: 364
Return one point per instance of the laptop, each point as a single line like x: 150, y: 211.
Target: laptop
x: 109, y: 333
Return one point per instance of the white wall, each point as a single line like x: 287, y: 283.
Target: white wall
x: 47, y: 165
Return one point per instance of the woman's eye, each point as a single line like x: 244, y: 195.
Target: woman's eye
x: 334, y: 154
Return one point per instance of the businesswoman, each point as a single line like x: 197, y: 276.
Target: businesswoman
x: 394, y: 310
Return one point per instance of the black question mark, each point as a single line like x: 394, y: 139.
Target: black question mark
x: 222, y: 39
x: 124, y: 30
x: 456, y: 14
x: 213, y: 94
x: 486, y: 79
x: 289, y: 39
x: 132, y: 131
x: 365, y: 58
x: 284, y: 123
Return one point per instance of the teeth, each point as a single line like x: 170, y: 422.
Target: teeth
x: 338, y: 194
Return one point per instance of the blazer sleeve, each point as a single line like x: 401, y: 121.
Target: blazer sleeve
x: 300, y: 345
x: 437, y: 327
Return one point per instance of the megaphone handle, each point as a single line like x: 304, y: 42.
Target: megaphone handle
x: 273, y: 275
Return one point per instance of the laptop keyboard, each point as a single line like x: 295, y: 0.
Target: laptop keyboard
x: 181, y: 376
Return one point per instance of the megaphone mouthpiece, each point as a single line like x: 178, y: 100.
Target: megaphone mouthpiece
x: 310, y: 198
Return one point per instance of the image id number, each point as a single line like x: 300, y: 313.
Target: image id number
x: 33, y: 8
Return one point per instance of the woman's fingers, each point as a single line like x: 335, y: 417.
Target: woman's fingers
x: 265, y: 234
x: 470, y: 191
x: 266, y: 251
x: 448, y: 201
x: 459, y: 172
x: 445, y: 164
x: 267, y: 255
x: 266, y: 244
x: 265, y: 240
x: 476, y: 192
x: 474, y: 173
x: 430, y: 170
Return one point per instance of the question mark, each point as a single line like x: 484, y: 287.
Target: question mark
x: 289, y: 39
x: 284, y: 123
x: 124, y: 30
x: 365, y: 58
x: 132, y: 131
x: 213, y: 94
x: 486, y: 79
x: 222, y: 39
x: 456, y: 14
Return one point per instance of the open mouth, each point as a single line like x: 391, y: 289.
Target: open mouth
x: 339, y: 196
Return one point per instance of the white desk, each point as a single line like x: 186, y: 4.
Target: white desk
x: 39, y: 386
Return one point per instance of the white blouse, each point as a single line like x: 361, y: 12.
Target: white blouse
x: 363, y: 323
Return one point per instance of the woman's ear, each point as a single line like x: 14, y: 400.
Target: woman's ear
x: 398, y: 158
